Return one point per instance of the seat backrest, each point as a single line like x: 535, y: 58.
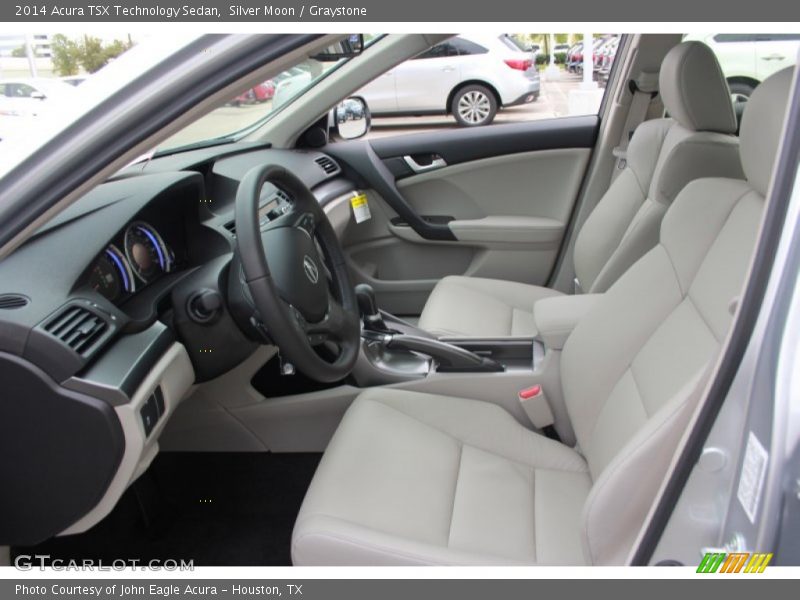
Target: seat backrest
x: 634, y: 367
x: 663, y: 156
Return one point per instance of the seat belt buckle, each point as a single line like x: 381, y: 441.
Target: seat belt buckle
x: 535, y: 405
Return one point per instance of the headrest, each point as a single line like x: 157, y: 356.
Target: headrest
x: 694, y: 90
x: 762, y: 125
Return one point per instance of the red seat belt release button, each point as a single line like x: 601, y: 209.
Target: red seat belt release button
x: 530, y: 392
x: 535, y: 405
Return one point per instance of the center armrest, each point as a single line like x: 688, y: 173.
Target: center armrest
x: 556, y: 317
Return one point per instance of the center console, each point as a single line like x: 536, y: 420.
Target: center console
x: 395, y: 350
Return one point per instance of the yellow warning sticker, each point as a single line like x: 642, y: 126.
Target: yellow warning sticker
x: 360, y: 207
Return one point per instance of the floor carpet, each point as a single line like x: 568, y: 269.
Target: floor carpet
x: 213, y: 508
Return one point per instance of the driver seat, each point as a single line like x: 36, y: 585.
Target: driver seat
x: 417, y: 479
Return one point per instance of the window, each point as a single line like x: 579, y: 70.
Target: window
x: 17, y: 90
x: 723, y: 38
x: 493, y: 77
x: 747, y: 59
x: 439, y: 51
x: 467, y: 48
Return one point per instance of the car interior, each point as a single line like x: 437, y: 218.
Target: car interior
x: 218, y: 354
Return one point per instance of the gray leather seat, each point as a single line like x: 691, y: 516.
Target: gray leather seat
x: 663, y: 156
x: 412, y: 478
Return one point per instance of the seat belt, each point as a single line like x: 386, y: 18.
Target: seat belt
x: 644, y: 89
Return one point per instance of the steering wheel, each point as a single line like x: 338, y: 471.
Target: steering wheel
x: 305, y: 300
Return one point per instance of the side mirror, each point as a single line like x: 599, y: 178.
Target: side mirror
x: 38, y: 96
x: 351, y: 118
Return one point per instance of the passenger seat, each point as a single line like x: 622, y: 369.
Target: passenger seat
x: 663, y: 156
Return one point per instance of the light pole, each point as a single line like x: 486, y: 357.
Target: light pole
x: 586, y: 98
x: 29, y: 53
x: 588, y: 82
x: 552, y: 72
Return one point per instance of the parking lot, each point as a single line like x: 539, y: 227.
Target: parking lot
x: 553, y: 102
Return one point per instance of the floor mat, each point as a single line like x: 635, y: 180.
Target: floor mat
x: 213, y: 508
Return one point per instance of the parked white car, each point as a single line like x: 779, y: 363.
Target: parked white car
x: 32, y: 96
x: 749, y: 58
x: 470, y: 77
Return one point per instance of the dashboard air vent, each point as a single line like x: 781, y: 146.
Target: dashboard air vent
x: 12, y: 301
x: 327, y: 164
x: 77, y: 327
x: 231, y: 226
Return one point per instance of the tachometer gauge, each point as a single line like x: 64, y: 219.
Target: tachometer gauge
x: 147, y: 253
x: 110, y: 275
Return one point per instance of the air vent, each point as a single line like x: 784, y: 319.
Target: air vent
x: 231, y: 226
x: 327, y: 164
x: 12, y: 301
x: 78, y: 327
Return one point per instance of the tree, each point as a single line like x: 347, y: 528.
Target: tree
x: 89, y: 53
x: 92, y: 55
x: 66, y: 55
x: 19, y: 52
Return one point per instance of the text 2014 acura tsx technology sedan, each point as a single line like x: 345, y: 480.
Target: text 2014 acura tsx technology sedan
x: 556, y: 342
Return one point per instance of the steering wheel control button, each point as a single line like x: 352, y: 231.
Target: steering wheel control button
x: 306, y: 223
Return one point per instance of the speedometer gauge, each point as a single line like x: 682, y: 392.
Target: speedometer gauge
x: 146, y: 251
x: 110, y: 275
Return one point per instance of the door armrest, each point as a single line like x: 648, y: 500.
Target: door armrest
x: 514, y: 230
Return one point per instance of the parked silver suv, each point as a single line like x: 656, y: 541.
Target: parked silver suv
x: 470, y: 77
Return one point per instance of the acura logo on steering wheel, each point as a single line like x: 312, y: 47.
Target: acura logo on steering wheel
x: 310, y: 268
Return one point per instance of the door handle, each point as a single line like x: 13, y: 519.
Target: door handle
x: 773, y: 57
x: 448, y: 69
x: 437, y: 162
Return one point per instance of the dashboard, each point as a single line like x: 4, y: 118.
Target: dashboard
x: 100, y: 329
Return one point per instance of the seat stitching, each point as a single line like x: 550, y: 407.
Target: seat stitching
x: 493, y: 453
x: 383, y: 549
x: 642, y: 188
x: 727, y: 218
x: 638, y: 390
x: 703, y: 318
x: 655, y: 327
x: 455, y: 493
x: 614, y: 468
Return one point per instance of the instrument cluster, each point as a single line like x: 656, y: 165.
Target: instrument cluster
x: 142, y: 257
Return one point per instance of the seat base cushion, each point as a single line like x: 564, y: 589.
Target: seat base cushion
x: 477, y: 307
x: 414, y: 479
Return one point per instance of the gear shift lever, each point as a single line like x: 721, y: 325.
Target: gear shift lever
x: 368, y: 307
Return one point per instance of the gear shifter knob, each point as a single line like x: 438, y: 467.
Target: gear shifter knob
x: 368, y: 307
x: 365, y: 297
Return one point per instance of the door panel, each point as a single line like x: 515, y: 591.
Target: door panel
x: 499, y: 207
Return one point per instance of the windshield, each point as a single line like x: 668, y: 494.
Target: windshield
x: 253, y: 106
x: 39, y: 98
